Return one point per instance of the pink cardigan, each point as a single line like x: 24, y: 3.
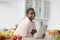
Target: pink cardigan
x: 25, y: 27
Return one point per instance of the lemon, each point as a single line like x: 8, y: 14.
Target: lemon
x: 2, y: 33
x: 11, y: 33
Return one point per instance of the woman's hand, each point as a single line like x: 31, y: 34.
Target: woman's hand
x: 33, y: 31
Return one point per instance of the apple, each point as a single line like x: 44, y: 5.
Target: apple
x: 14, y: 37
x: 19, y: 37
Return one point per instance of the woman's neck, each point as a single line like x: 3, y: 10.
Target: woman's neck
x: 30, y: 19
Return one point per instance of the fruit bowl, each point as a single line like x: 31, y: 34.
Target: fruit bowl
x: 54, y: 33
x: 10, y: 36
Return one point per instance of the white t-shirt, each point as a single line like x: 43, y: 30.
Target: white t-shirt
x: 25, y: 27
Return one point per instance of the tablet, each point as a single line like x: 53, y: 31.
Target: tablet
x: 41, y: 31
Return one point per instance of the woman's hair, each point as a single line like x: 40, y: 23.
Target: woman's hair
x: 28, y: 9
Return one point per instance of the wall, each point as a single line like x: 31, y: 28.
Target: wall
x: 54, y: 21
x: 11, y: 12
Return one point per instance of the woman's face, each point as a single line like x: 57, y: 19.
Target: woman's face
x: 31, y: 15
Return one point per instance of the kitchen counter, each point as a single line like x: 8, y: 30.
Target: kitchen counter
x: 47, y: 37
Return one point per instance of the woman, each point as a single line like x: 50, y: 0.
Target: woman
x: 27, y: 27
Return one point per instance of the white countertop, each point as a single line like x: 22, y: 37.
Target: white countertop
x: 47, y: 37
